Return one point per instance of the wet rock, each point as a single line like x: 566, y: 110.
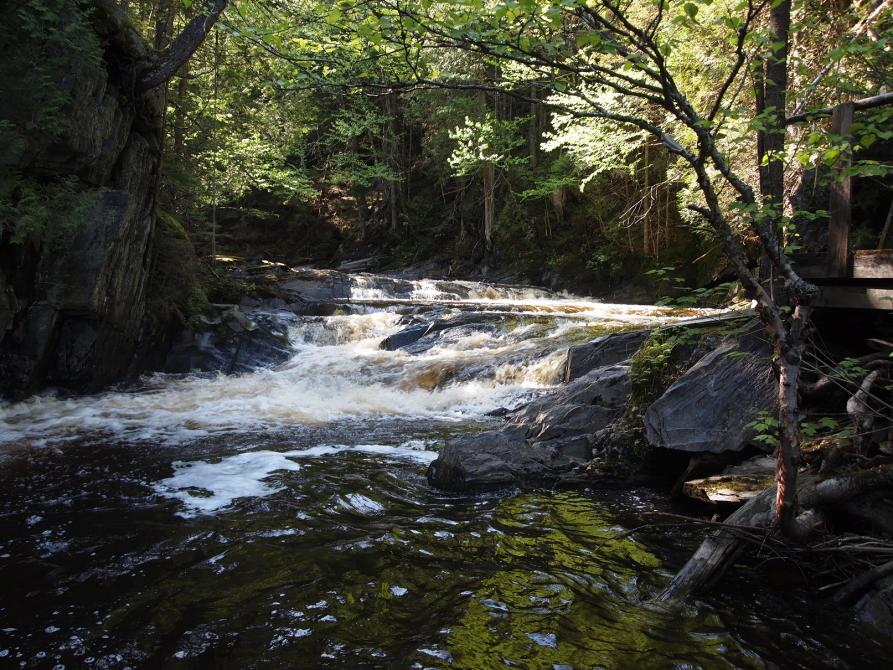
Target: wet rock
x: 85, y: 299
x: 232, y: 342
x: 405, y: 337
x: 496, y: 459
x: 586, y: 405
x: 876, y: 608
x: 315, y: 308
x: 421, y: 337
x: 605, y: 350
x: 546, y: 442
x: 708, y: 408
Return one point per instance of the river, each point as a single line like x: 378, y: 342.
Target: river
x: 281, y: 518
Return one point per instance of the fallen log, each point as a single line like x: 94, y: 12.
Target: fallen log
x: 722, y: 548
x: 856, y: 587
x: 719, y: 551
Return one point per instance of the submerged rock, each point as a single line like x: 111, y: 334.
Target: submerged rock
x: 499, y: 458
x: 710, y: 406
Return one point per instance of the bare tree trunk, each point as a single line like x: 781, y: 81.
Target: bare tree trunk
x: 489, y: 175
x: 533, y: 130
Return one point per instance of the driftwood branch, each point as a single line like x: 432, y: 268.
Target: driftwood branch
x: 853, y: 589
x: 719, y: 551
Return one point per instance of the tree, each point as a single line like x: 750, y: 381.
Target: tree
x: 583, y: 49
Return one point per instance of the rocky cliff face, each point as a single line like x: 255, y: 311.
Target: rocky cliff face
x: 72, y: 311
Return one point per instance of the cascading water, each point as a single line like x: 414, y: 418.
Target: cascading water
x: 281, y: 517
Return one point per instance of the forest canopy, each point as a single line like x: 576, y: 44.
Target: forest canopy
x: 511, y: 114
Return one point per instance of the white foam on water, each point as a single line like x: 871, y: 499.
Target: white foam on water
x: 205, y: 487
x: 338, y: 372
x: 357, y: 502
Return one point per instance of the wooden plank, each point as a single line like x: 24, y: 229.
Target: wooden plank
x: 865, y: 264
x: 856, y: 297
x: 839, y: 206
x: 874, y: 264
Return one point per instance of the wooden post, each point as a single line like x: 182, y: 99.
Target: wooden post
x: 839, y: 206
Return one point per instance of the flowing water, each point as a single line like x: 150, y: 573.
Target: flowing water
x: 281, y: 518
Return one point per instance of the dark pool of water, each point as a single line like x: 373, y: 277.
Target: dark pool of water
x: 355, y: 562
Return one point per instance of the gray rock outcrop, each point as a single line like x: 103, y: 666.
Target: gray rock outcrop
x: 708, y: 408
x: 605, y: 350
x: 72, y: 313
x: 547, y: 441
x: 232, y: 342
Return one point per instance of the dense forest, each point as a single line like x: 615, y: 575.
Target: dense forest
x: 466, y: 134
x: 258, y: 256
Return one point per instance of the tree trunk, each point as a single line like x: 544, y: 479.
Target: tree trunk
x: 489, y: 176
x: 183, y: 47
x: 775, y: 99
x: 533, y: 131
x: 789, y: 344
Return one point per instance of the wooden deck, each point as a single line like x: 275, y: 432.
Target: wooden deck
x: 866, y: 282
x: 861, y: 279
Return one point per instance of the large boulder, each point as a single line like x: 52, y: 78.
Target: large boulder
x: 709, y: 407
x: 584, y: 406
x: 545, y: 442
x: 504, y: 458
x: 605, y: 350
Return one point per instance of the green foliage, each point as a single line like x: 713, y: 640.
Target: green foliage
x: 488, y: 140
x: 335, y: 106
x: 656, y: 365
x: 53, y: 42
x: 52, y: 38
x: 766, y: 428
x: 595, y: 146
x: 50, y: 212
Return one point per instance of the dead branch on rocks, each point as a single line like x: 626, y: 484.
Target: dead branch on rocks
x: 724, y: 546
